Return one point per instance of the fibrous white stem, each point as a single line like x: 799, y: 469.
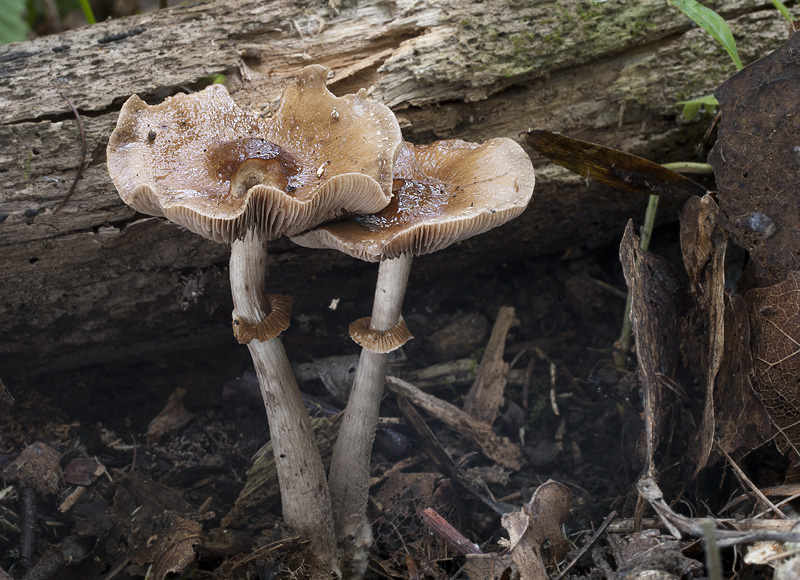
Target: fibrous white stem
x: 349, y: 476
x: 304, y: 491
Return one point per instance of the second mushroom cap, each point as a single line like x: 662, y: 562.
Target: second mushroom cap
x: 444, y: 192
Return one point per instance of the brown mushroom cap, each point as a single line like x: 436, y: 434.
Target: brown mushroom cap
x: 204, y: 163
x: 444, y: 192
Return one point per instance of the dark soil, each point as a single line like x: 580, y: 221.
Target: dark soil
x: 100, y: 415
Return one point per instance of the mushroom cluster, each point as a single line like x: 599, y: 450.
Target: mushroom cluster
x: 202, y: 162
x: 329, y: 172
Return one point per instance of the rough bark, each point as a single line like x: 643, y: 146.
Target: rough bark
x: 96, y: 282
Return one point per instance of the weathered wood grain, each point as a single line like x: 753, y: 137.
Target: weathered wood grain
x: 96, y: 281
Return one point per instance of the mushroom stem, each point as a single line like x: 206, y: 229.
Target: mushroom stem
x: 304, y: 491
x: 349, y: 476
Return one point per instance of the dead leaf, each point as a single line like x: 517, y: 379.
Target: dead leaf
x: 742, y: 420
x: 173, y: 548
x: 539, y: 521
x: 150, y: 526
x: 775, y: 332
x: 756, y: 157
x: 83, y: 471
x: 172, y: 418
x: 490, y: 567
x: 620, y: 170
x: 703, y: 244
x: 732, y: 412
x: 659, y: 307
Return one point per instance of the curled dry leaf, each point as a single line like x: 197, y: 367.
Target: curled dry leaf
x: 742, y: 420
x: 755, y: 160
x: 775, y: 332
x: 732, y: 414
x: 659, y: 307
x: 172, y: 418
x: 703, y: 244
x: 173, y: 549
x: 539, y: 521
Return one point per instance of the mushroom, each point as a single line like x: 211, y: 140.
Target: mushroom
x: 232, y: 177
x: 37, y: 474
x: 443, y: 193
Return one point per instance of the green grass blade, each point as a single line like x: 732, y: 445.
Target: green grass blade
x: 87, y: 12
x: 783, y: 10
x: 712, y: 23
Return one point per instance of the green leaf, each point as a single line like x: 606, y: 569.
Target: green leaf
x: 783, y: 10
x: 712, y: 23
x: 709, y: 100
x: 13, y: 27
x: 693, y: 106
x: 690, y: 110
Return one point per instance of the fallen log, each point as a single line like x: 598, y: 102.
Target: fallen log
x: 96, y: 282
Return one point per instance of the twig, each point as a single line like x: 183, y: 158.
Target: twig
x: 749, y: 483
x: 779, y: 504
x: 613, y: 290
x: 610, y: 518
x: 447, y: 532
x: 27, y: 522
x: 678, y: 524
x: 441, y: 458
x: 83, y: 154
x: 430, y: 444
x: 689, y: 167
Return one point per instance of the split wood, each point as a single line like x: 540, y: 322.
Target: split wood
x: 486, y: 394
x: 499, y: 449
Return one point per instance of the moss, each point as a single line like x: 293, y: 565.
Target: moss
x: 554, y: 37
x: 542, y: 36
x: 523, y: 41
